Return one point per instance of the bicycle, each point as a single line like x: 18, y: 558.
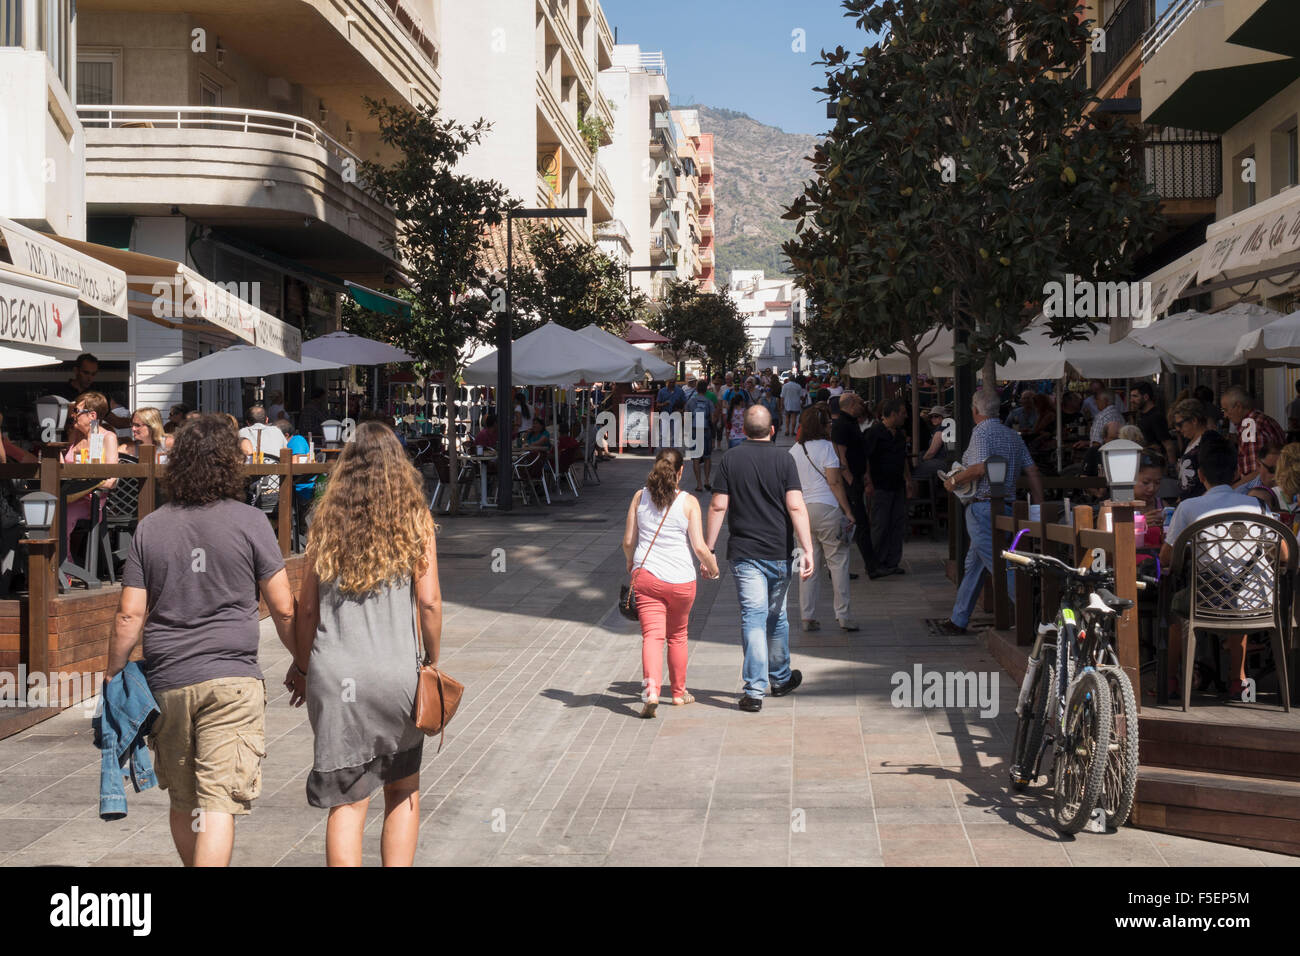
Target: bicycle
x: 1076, y: 699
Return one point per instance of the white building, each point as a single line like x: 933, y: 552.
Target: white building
x: 772, y: 308
x: 642, y: 162
x: 530, y: 69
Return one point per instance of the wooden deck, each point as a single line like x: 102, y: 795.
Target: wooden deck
x: 1226, y: 772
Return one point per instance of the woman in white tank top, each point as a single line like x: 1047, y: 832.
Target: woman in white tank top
x: 662, y: 537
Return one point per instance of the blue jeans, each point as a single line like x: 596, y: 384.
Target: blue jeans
x: 979, y: 525
x: 765, y: 632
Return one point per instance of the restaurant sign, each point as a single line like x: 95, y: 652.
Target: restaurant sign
x: 99, y: 285
x: 38, y: 314
x: 1253, y: 242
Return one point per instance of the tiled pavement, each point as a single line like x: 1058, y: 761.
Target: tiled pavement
x: 547, y: 762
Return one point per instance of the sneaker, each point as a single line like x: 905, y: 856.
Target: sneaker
x: 873, y: 575
x: 847, y: 625
x: 895, y: 570
x: 949, y: 628
x: 751, y: 705
x: 780, y: 690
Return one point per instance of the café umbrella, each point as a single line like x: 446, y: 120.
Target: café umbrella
x: 240, y: 361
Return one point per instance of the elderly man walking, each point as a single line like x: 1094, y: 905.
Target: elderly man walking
x: 757, y: 488
x: 990, y: 437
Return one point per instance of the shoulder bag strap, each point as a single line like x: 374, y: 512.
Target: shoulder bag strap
x: 419, y: 638
x: 804, y: 446
x: 656, y: 534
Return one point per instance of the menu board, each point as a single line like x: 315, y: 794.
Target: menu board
x: 636, y: 421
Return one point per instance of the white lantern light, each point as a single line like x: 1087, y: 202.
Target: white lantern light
x: 333, y: 431
x: 995, y: 468
x: 38, y: 511
x: 52, y: 410
x: 1120, y: 459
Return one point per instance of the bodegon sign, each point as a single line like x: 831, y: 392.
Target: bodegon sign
x: 38, y: 313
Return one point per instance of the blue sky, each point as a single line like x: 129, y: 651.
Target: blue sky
x: 739, y: 54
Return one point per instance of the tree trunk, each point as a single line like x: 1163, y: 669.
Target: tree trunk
x: 450, y: 390
x: 915, y: 359
x: 990, y: 374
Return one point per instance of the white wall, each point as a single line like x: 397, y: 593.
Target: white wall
x: 42, y: 160
x: 627, y: 160
x: 489, y: 70
x: 159, y: 349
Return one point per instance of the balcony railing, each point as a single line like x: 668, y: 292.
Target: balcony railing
x: 214, y: 117
x: 1183, y: 164
x: 1123, y: 31
x: 11, y: 22
x: 1166, y: 26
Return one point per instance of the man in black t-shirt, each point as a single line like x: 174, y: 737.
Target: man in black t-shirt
x: 888, y: 484
x: 1149, y: 417
x: 846, y: 435
x: 757, y: 489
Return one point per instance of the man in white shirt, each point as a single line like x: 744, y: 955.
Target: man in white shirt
x: 791, y: 404
x: 259, y: 436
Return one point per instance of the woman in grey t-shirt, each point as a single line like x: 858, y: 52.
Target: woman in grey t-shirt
x: 372, y: 566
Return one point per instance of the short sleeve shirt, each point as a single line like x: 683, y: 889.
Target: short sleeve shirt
x: 991, y: 437
x: 1105, y: 417
x: 755, y: 476
x: 886, y: 451
x: 200, y: 568
x: 1264, y: 430
x: 273, y: 440
x: 845, y: 431
x: 812, y: 458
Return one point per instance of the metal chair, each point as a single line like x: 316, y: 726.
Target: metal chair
x: 1241, y: 570
x: 120, y: 513
x: 531, y: 470
x: 442, y: 466
x: 569, y: 459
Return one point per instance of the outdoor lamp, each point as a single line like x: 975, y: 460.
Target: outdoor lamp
x: 52, y: 408
x: 38, y: 512
x: 1120, y: 460
x: 995, y: 468
x: 333, y: 432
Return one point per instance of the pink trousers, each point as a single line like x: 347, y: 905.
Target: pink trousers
x: 665, y: 610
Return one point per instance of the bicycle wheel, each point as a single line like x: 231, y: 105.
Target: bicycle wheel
x: 1029, y: 730
x: 1122, y: 758
x: 1081, y: 755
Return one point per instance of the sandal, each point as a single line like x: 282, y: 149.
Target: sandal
x: 686, y: 698
x: 651, y: 704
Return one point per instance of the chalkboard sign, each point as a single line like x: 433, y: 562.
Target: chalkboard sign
x: 636, y: 421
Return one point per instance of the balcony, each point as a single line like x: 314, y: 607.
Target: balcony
x: 1272, y: 25
x: 1123, y: 32
x: 240, y: 166
x: 343, y: 49
x: 545, y: 193
x: 553, y: 113
x: 604, y: 207
x: 706, y: 225
x: 558, y: 18
x: 706, y: 254
x: 604, y: 111
x: 1183, y: 164
x: 1195, y: 78
x: 706, y: 193
x: 662, y: 137
x: 604, y: 39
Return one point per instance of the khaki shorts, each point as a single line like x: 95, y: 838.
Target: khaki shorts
x: 208, y: 743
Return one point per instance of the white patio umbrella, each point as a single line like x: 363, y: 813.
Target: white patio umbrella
x: 897, y: 363
x: 655, y: 368
x: 1212, y: 340
x: 240, y: 361
x: 21, y: 358
x: 1093, y: 357
x: 1277, y: 341
x: 344, y: 348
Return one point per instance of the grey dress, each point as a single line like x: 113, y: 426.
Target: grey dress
x: 361, y: 684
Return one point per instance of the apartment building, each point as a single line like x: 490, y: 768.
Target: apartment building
x: 530, y: 69
x: 1231, y: 69
x: 704, y: 157
x: 226, y: 136
x: 689, y: 208
x: 772, y: 308
x: 643, y: 163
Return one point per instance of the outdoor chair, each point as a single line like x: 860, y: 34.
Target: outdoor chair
x: 120, y: 513
x: 531, y: 470
x: 442, y: 468
x: 923, y: 511
x: 569, y: 459
x: 1240, y: 571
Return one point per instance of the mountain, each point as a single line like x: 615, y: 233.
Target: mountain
x: 758, y: 170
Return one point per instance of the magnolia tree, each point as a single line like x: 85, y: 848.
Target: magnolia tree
x: 571, y: 284
x: 705, y: 326
x: 443, y: 221
x: 962, y: 176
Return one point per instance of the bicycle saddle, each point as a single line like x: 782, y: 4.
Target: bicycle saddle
x: 1110, y: 601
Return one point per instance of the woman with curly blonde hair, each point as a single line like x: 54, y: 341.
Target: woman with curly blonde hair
x: 372, y: 566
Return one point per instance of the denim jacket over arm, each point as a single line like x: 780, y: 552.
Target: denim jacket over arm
x: 129, y: 710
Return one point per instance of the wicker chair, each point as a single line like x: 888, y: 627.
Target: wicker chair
x: 1240, y: 567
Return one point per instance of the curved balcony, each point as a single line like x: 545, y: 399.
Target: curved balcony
x: 240, y: 165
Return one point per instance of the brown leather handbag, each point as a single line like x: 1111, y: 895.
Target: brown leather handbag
x: 437, y: 695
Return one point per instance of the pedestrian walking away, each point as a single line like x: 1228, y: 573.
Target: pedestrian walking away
x: 757, y: 490
x: 852, y: 453
x: 830, y: 518
x: 990, y: 437
x: 372, y: 566
x: 664, y: 529
x: 888, y: 484
x: 700, y: 411
x: 195, y: 569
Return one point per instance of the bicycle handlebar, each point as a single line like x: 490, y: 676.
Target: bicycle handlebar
x: 1038, y: 560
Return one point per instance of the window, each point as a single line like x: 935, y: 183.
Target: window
x: 99, y: 77
x: 209, y: 92
x: 55, y: 26
x: 11, y: 22
x: 97, y: 326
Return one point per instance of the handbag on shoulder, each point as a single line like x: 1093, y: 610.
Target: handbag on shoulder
x: 437, y: 695
x: 627, y: 594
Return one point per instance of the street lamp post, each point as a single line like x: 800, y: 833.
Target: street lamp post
x: 505, y: 334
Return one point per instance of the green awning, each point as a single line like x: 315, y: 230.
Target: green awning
x: 378, y: 301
